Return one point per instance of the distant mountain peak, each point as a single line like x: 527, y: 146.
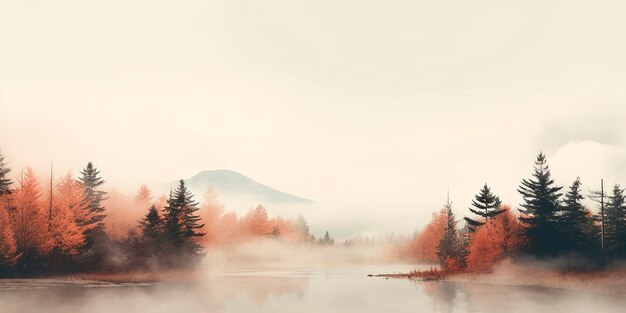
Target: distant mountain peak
x: 230, y: 183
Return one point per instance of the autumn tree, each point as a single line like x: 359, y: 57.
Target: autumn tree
x: 575, y: 224
x: 615, y: 224
x: 30, y: 223
x: 70, y: 216
x: 182, y: 224
x: 211, y: 212
x: 539, y: 210
x: 5, y: 181
x: 497, y: 239
x: 486, y: 205
x: 143, y: 195
x: 424, y: 245
x: 8, y: 247
x: 256, y: 222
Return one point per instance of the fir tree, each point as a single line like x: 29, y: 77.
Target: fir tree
x: 151, y: 225
x: 181, y: 221
x: 487, y: 205
x: 5, y: 182
x: 575, y: 223
x: 615, y: 224
x: 449, y: 248
x: 327, y: 240
x: 539, y: 210
x: 91, y: 181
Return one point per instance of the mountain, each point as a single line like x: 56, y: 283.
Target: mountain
x: 232, y: 184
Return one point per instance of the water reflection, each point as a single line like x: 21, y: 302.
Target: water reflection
x: 312, y: 290
x: 486, y: 298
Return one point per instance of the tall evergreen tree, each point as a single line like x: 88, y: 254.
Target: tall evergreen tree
x: 151, y: 225
x: 575, y: 222
x: 450, y: 245
x: 91, y: 181
x: 5, y: 181
x: 615, y: 224
x: 486, y: 205
x: 182, y: 223
x: 539, y: 210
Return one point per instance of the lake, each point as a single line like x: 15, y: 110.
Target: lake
x: 330, y: 289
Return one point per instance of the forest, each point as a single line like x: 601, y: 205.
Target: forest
x: 71, y: 225
x: 550, y: 224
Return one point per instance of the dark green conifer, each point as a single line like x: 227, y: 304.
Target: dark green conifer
x: 450, y: 246
x: 152, y: 225
x: 539, y: 210
x: 615, y: 224
x: 575, y: 222
x: 181, y: 221
x: 486, y: 205
x: 5, y: 182
x: 91, y: 181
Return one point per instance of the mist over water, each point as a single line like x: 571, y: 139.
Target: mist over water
x: 272, y: 277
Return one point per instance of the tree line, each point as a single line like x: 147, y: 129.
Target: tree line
x: 63, y: 229
x: 550, y: 223
x: 74, y: 225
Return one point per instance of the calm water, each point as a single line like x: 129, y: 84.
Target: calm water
x: 299, y: 290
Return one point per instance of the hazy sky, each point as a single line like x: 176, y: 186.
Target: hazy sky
x: 373, y: 109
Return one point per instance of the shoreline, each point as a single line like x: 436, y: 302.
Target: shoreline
x: 604, y: 282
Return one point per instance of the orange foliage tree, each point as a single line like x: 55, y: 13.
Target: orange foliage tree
x: 70, y: 213
x: 256, y: 222
x: 29, y: 217
x: 424, y: 245
x: 494, y: 241
x: 8, y: 247
x: 211, y: 213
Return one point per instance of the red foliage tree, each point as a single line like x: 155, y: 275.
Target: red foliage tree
x: 494, y: 241
x: 424, y: 245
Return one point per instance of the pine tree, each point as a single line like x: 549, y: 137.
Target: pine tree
x: 151, y: 225
x: 487, y: 205
x: 181, y: 221
x: 539, y: 210
x: 327, y: 240
x: 5, y: 182
x: 449, y: 247
x: 615, y: 224
x: 575, y: 223
x: 91, y: 181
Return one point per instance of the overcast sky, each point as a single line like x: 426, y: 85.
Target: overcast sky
x: 372, y: 109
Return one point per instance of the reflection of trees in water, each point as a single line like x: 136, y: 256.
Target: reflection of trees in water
x: 211, y: 295
x: 487, y: 298
x: 443, y: 294
x: 259, y: 289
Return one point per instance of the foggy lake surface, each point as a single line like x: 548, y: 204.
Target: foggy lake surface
x: 330, y: 289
